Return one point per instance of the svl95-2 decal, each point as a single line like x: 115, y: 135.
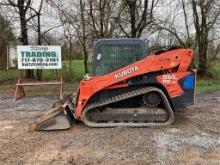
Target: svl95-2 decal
x: 169, y: 78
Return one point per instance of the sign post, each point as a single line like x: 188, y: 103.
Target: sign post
x: 38, y: 57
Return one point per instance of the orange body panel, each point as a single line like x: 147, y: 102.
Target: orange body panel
x: 170, y: 82
x: 179, y: 58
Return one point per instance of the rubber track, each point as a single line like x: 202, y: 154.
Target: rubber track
x: 128, y: 95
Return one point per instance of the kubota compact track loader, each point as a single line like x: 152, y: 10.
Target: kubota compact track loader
x: 128, y: 88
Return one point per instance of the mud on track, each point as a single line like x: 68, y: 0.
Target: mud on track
x: 194, y: 138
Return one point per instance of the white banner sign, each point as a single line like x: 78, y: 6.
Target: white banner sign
x: 12, y: 56
x: 39, y: 57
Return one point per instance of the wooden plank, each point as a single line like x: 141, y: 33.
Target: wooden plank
x: 19, y: 91
x: 39, y: 83
x: 61, y: 88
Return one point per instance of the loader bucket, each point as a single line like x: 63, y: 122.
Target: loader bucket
x: 60, y: 119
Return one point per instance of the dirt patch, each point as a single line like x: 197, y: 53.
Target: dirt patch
x: 194, y: 138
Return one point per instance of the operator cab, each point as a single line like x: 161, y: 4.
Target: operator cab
x: 112, y: 54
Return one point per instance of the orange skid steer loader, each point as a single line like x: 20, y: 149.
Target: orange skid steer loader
x: 129, y: 87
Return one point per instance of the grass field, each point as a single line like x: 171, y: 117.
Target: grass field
x: 77, y: 71
x: 210, y: 84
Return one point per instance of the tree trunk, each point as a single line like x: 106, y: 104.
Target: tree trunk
x: 202, y: 50
x: 86, y: 62
x: 39, y: 71
x: 203, y: 26
x: 83, y: 40
x: 202, y: 64
x: 70, y: 57
x: 24, y: 38
x: 132, y: 7
x: 101, y: 9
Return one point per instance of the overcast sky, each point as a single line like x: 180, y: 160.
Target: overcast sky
x: 171, y: 12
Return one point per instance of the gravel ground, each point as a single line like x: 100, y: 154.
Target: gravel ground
x: 194, y: 138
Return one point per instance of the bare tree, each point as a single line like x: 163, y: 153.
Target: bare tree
x: 78, y: 19
x: 195, y: 33
x: 37, y: 12
x: 206, y: 14
x: 69, y: 36
x: 6, y: 35
x: 101, y: 12
x: 136, y: 14
x: 171, y: 24
x: 83, y: 38
x: 22, y: 7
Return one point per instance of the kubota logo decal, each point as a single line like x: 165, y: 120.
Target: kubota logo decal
x: 126, y: 72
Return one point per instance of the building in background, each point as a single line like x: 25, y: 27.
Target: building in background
x: 12, y: 55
